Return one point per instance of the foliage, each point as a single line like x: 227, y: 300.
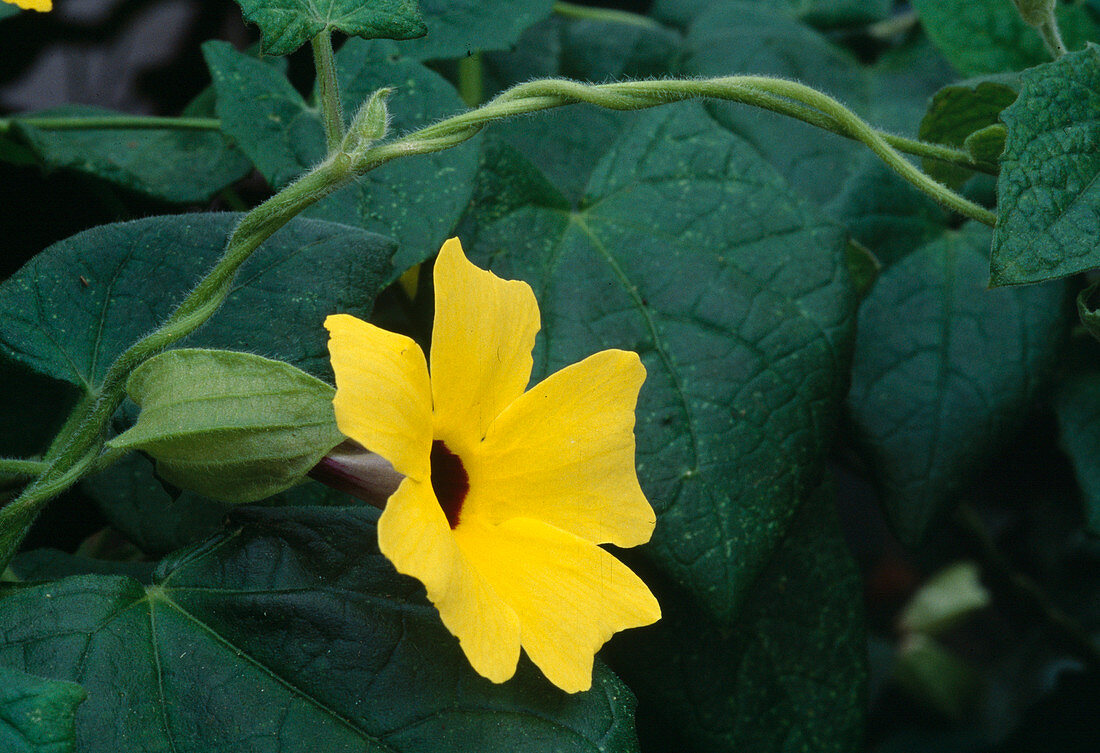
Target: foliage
x: 802, y: 257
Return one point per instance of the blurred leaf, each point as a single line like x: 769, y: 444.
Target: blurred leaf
x: 903, y: 79
x: 691, y: 251
x: 288, y: 24
x: 6, y: 11
x: 457, y: 28
x: 1049, y: 197
x: 174, y: 164
x: 825, y: 13
x: 739, y: 37
x: 948, y: 597
x: 53, y: 564
x: 960, y: 110
x: 945, y: 370
x: 789, y: 675
x: 36, y: 715
x: 988, y: 36
x: 73, y: 308
x: 288, y: 632
x: 31, y: 408
x: 936, y: 677
x: 416, y: 200
x: 1077, y: 405
x: 231, y: 426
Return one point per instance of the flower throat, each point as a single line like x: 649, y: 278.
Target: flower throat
x: 449, y: 481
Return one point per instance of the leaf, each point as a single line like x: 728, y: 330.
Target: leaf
x: 1048, y: 193
x: 1077, y: 406
x: 457, y: 28
x: 988, y: 36
x: 174, y: 164
x: 945, y: 370
x: 824, y: 13
x: 902, y: 80
x: 36, y: 715
x: 31, y: 408
x: 288, y: 24
x: 6, y: 11
x: 738, y: 37
x: 137, y: 272
x: 297, y: 635
x: 416, y: 200
x: 961, y: 110
x: 231, y: 426
x: 52, y: 564
x: 691, y: 251
x: 789, y: 674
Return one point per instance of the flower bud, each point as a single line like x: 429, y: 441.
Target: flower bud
x: 370, y: 124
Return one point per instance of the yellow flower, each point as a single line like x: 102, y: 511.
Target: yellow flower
x: 42, y: 5
x: 507, y: 493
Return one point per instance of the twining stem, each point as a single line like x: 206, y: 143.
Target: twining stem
x: 1073, y: 635
x: 12, y: 467
x: 786, y: 97
x: 328, y: 90
x: 111, y: 123
x: 588, y: 13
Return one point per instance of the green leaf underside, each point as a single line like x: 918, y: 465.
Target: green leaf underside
x: 231, y: 426
x: 962, y: 109
x: 790, y: 675
x: 288, y: 24
x: 36, y: 715
x: 944, y: 371
x: 736, y: 296
x: 1048, y: 191
x: 743, y: 38
x: 137, y: 272
x: 177, y: 165
x: 457, y: 28
x: 416, y: 200
x: 1077, y: 406
x: 988, y: 36
x: 288, y: 632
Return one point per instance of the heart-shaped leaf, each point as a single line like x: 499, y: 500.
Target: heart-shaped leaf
x: 288, y: 24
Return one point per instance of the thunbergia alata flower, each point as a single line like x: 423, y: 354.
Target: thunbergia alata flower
x: 507, y: 494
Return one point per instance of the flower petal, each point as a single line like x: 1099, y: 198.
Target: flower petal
x: 570, y: 595
x: 482, y: 339
x: 563, y: 453
x: 383, y: 399
x: 414, y: 535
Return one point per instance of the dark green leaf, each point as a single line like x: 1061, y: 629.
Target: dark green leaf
x: 1049, y: 195
x: 825, y: 13
x: 73, y: 308
x: 52, y: 564
x: 416, y: 200
x: 740, y: 37
x: 6, y: 11
x: 988, y: 36
x: 457, y: 28
x: 690, y: 250
x: 788, y: 676
x: 231, y: 426
x: 945, y: 370
x: 174, y: 164
x: 290, y: 632
x: 903, y: 79
x: 960, y: 110
x: 288, y: 24
x: 1077, y: 405
x: 863, y: 266
x: 31, y: 408
x: 36, y: 715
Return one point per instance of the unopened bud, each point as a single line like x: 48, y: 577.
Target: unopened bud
x: 370, y: 124
x: 1035, y: 12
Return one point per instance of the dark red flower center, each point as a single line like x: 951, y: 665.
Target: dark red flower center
x: 449, y: 480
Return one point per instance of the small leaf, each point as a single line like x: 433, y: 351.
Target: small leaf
x: 36, y: 715
x: 961, y: 110
x: 174, y: 164
x: 988, y: 36
x: 288, y: 24
x: 231, y: 426
x: 987, y: 144
x: 1048, y: 192
x: 944, y: 371
x: 788, y: 675
x: 298, y: 635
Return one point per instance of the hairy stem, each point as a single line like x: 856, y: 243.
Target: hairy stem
x: 328, y: 90
x: 588, y: 13
x: 111, y: 123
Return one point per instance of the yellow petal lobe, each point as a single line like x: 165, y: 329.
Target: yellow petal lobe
x: 482, y: 337
x: 569, y: 594
x: 383, y: 397
x: 563, y: 453
x: 39, y: 5
x: 414, y: 535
